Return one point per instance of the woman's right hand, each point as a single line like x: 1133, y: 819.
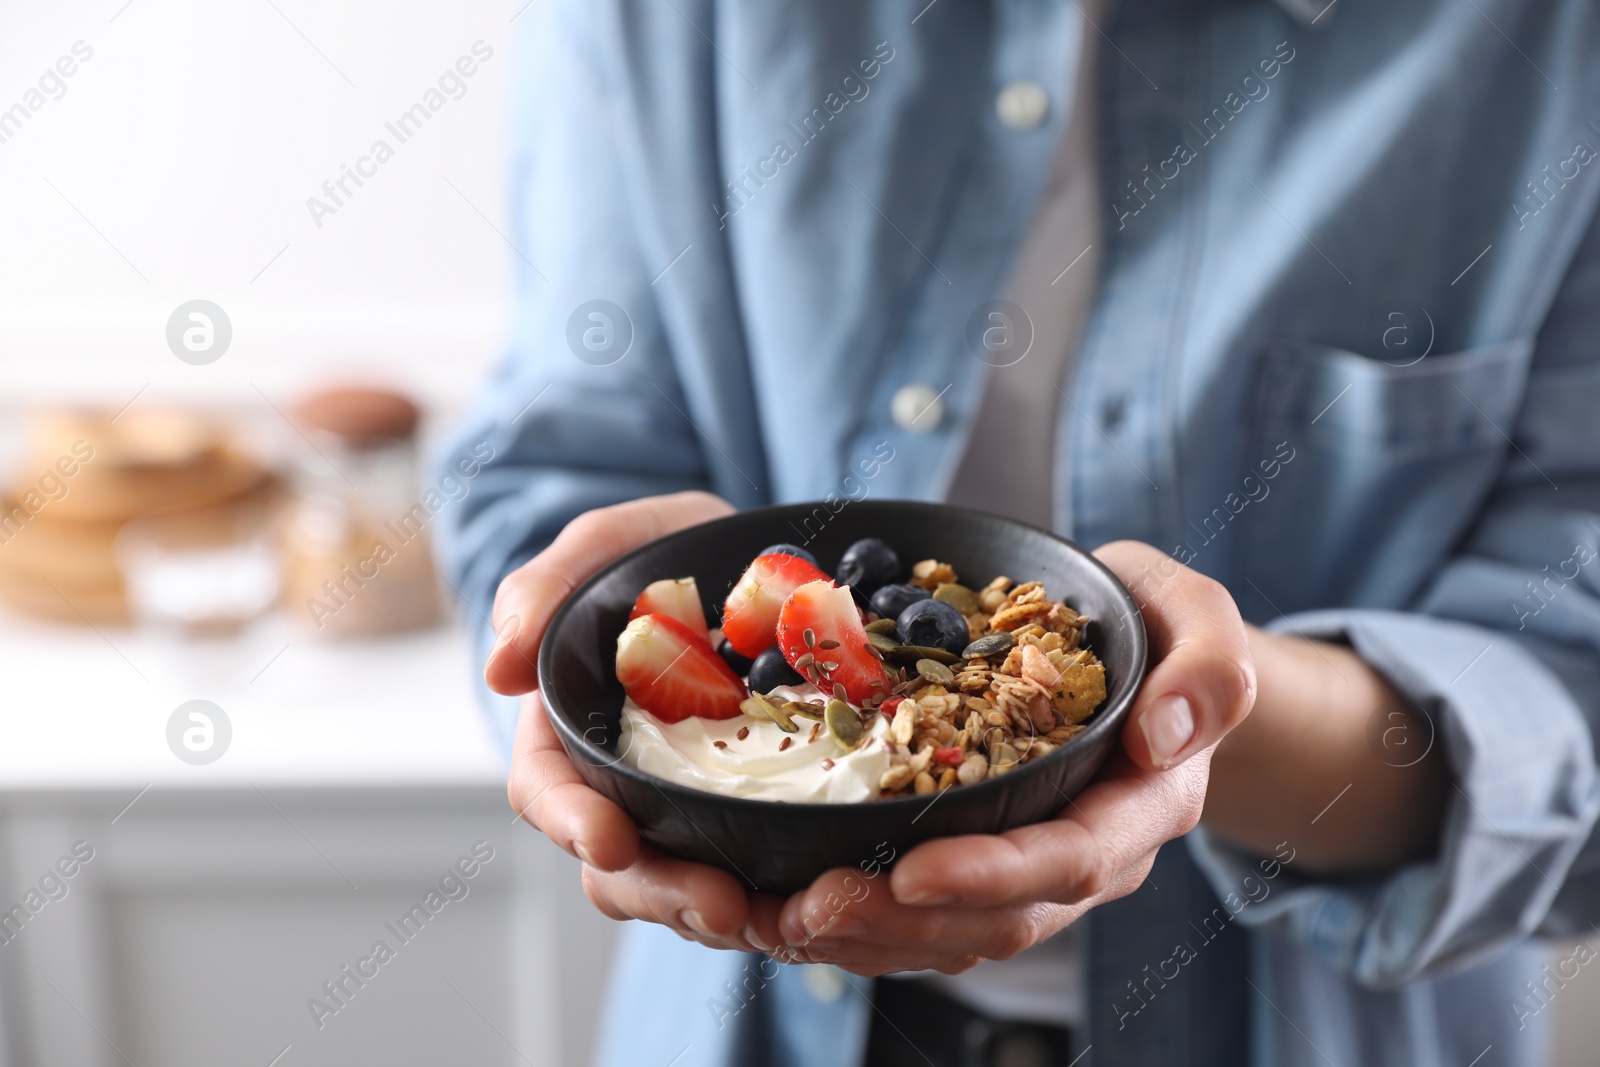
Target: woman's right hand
x: 623, y: 878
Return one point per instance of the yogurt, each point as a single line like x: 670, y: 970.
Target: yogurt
x: 686, y: 753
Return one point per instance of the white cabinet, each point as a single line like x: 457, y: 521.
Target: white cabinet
x: 219, y: 898
x: 207, y: 920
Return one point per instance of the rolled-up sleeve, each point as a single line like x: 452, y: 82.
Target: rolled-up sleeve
x: 1500, y: 653
x: 1524, y: 801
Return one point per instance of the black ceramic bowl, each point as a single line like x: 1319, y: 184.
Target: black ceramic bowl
x: 783, y: 847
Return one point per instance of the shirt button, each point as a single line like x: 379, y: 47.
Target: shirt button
x: 917, y: 407
x: 823, y: 981
x: 1022, y: 105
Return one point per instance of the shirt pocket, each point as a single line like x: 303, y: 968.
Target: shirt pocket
x: 1388, y: 466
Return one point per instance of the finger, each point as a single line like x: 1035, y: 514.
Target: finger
x: 1080, y: 856
x: 1203, y: 681
x: 546, y: 790
x: 943, y: 963
x: 872, y: 930
x: 599, y: 896
x: 846, y: 916
x: 762, y: 931
x: 529, y: 596
x: 835, y: 899
x: 870, y: 960
x: 703, y: 901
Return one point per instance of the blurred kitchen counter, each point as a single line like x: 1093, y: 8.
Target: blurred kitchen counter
x: 89, y: 708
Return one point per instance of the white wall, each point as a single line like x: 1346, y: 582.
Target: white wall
x: 191, y: 140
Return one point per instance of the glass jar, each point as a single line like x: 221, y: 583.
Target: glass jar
x: 355, y: 536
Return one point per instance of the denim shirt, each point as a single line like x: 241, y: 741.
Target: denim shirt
x: 1343, y: 358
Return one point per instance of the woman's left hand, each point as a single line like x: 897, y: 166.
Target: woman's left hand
x: 952, y: 903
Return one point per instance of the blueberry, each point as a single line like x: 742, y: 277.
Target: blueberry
x: 740, y: 664
x: 868, y: 565
x: 771, y: 670
x: 789, y: 550
x: 891, y: 600
x: 933, y: 624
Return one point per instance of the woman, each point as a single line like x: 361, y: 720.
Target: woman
x: 1285, y: 305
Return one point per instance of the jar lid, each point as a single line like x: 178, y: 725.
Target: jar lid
x: 361, y: 416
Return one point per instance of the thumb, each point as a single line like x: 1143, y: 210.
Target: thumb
x: 530, y: 595
x: 1203, y: 681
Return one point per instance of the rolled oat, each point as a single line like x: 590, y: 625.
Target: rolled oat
x: 997, y: 711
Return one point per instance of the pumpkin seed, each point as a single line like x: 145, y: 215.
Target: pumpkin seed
x: 844, y: 726
x: 935, y: 672
x: 989, y: 645
x: 800, y: 707
x: 957, y: 596
x: 880, y: 626
x: 882, y: 642
x: 759, y: 707
x: 909, y: 654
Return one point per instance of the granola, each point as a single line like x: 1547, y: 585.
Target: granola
x: 997, y: 710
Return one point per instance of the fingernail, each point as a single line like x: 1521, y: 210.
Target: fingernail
x: 1168, y: 726
x: 754, y: 939
x: 583, y: 853
x: 691, y: 918
x: 506, y: 634
x: 926, y: 897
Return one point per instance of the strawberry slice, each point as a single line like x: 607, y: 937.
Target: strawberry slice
x: 750, y: 617
x: 676, y: 598
x: 820, y: 621
x: 673, y: 673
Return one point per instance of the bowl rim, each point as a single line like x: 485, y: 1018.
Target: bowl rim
x: 1107, y: 717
